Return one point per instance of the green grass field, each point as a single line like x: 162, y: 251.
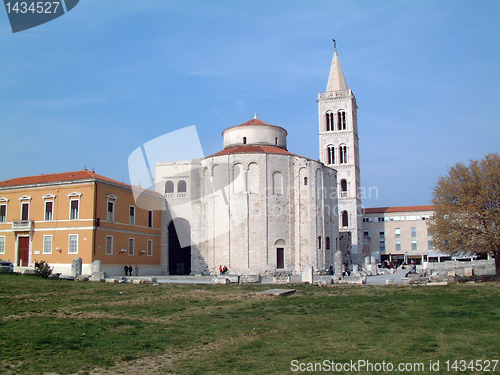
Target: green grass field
x: 65, y: 327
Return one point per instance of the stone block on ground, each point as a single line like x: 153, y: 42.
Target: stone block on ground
x: 307, y: 274
x: 358, y: 280
x: 233, y: 278
x: 221, y: 280
x: 278, y: 292
x: 244, y: 279
x: 468, y: 272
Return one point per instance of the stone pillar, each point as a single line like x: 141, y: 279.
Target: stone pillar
x: 76, y: 267
x: 307, y: 274
x: 355, y: 269
x: 96, y: 266
x: 337, y: 259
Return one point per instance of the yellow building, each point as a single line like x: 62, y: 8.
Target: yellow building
x: 59, y: 217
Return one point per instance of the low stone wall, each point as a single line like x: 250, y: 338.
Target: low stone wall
x: 457, y: 268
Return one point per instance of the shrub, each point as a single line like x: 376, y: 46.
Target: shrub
x: 43, y: 269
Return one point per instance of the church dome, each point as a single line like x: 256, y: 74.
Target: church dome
x: 255, y: 132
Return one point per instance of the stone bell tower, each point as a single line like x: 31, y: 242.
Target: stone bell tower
x: 338, y: 144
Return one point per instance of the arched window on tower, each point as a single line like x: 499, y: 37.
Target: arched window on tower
x: 331, y: 154
x: 329, y: 121
x: 277, y: 183
x: 343, y: 188
x: 182, y: 189
x: 169, y: 189
x: 345, y: 219
x: 343, y: 154
x: 341, y: 122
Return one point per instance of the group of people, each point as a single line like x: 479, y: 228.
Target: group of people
x: 129, y: 269
x: 222, y: 270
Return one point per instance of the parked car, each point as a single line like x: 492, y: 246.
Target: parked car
x: 6, y: 266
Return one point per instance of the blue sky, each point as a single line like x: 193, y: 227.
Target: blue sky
x: 93, y: 85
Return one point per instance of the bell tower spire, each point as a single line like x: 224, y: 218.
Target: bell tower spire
x: 338, y: 142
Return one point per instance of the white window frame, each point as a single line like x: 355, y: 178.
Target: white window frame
x: 398, y: 243
x: 45, y: 210
x: 112, y: 240
x: 69, y: 244
x: 74, y: 196
x: 111, y: 198
x: 414, y: 246
x: 131, y: 218
x: 413, y: 232
x: 397, y: 232
x: 133, y: 246
x: 2, y: 244
x: 4, y: 218
x: 150, y: 248
x: 22, y: 202
x: 45, y: 250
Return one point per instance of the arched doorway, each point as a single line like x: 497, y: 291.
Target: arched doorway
x: 179, y: 247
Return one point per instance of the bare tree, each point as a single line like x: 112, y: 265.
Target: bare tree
x: 467, y: 209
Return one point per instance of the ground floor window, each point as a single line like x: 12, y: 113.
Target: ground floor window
x: 150, y: 248
x: 280, y: 258
x: 109, y: 245
x: 2, y: 245
x: 73, y: 244
x: 47, y: 244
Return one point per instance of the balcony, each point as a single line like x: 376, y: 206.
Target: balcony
x: 22, y: 225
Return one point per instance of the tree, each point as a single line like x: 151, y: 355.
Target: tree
x: 467, y: 209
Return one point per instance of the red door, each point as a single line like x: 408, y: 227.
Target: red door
x: 23, y: 251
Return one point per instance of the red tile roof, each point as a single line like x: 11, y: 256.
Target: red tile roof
x: 57, y: 177
x: 252, y: 149
x: 255, y: 121
x: 376, y: 210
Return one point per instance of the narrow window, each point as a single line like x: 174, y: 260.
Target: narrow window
x: 319, y: 242
x: 131, y: 245
x: 111, y: 211
x: 343, y: 188
x: 49, y: 206
x: 382, y: 246
x: 327, y: 244
x: 47, y: 244
x: 3, y: 213
x: 277, y: 183
x: 366, y: 234
x: 331, y: 154
x: 382, y: 234
x: 345, y: 219
x: 73, y: 243
x: 329, y: 121
x: 25, y: 209
x: 343, y: 154
x: 414, y: 232
x: 244, y: 140
x: 306, y: 181
x: 341, y: 123
x: 131, y: 219
x: 397, y: 232
x: 2, y: 245
x: 73, y: 213
x: 109, y: 245
x: 276, y: 141
x: 280, y: 258
x: 150, y: 248
x: 150, y: 219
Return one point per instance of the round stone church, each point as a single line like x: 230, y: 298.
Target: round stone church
x: 253, y: 207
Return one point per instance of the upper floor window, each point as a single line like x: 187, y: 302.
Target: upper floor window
x: 277, y: 183
x: 111, y: 207
x: 414, y: 231
x: 343, y: 188
x: 306, y: 181
x: 3, y: 213
x: 343, y: 154
x: 397, y: 232
x: 330, y: 150
x: 49, y: 207
x: 169, y: 187
x: 244, y: 140
x: 150, y: 219
x: 319, y: 242
x: 74, y: 209
x: 131, y: 215
x: 181, y: 186
x: 74, y: 205
x: 345, y: 219
x: 341, y: 122
x: 329, y: 121
x: 327, y: 243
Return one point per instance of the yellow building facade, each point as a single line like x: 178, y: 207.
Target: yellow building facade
x: 59, y: 217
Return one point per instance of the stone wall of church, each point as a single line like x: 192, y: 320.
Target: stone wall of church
x: 254, y: 213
